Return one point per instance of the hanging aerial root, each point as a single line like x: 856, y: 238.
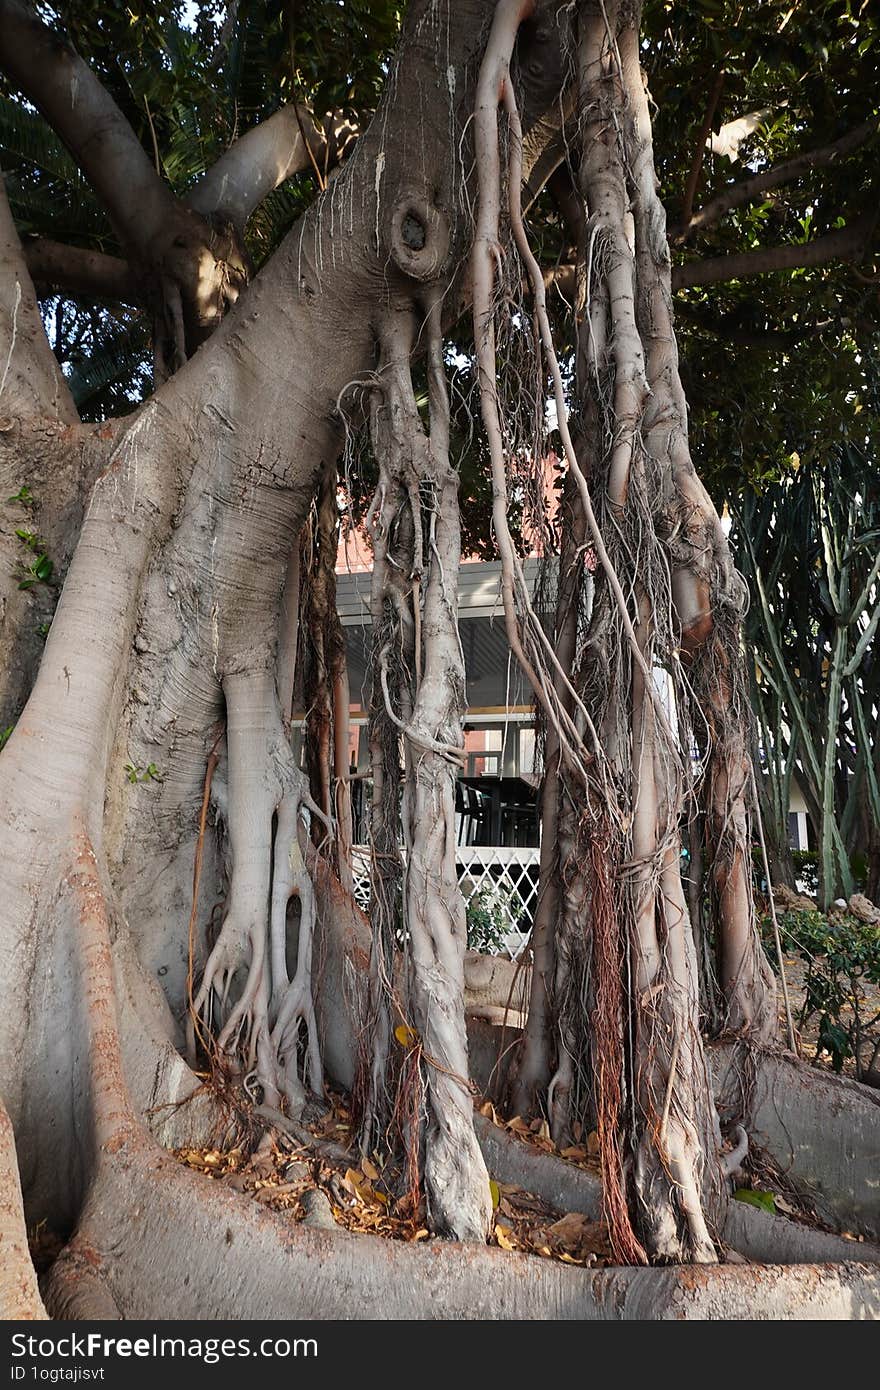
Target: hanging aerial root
x: 706, y: 592
x: 417, y: 717
x: 325, y: 676
x: 745, y: 978
x: 535, y: 1063
x: 193, y: 1025
x: 607, y: 1023
x: 245, y: 980
x: 640, y: 767
x: 525, y: 634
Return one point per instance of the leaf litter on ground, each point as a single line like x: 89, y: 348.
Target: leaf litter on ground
x: 363, y: 1196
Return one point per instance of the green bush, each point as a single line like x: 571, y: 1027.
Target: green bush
x: 806, y: 869
x: 841, y: 955
x: 492, y: 913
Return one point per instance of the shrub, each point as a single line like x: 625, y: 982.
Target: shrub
x: 841, y: 955
x: 492, y: 913
x: 806, y: 869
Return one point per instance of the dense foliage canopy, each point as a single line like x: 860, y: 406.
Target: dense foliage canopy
x: 776, y: 363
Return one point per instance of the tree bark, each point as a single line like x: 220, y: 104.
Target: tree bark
x: 74, y: 271
x: 536, y: 1063
x: 285, y: 144
x: 168, y: 621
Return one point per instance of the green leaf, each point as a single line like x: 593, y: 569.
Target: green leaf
x: 764, y: 1200
x: 24, y: 496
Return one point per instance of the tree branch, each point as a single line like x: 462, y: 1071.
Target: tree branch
x: 731, y: 329
x: 75, y: 271
x: 693, y: 177
x: 747, y: 189
x: 31, y: 381
x: 847, y: 243
x: 287, y: 143
x: 142, y: 208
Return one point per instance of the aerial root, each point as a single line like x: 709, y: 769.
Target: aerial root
x: 75, y: 1291
x: 246, y: 998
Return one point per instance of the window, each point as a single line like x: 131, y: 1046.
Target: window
x: 526, y: 752
x: 794, y: 830
x: 483, y: 748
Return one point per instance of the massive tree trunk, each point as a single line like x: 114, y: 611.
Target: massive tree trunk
x: 156, y: 732
x: 168, y: 632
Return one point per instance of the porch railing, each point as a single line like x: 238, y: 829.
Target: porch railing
x: 506, y: 876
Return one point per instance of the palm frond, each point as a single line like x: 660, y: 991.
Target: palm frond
x: 122, y: 359
x: 25, y: 137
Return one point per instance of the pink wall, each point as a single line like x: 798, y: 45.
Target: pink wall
x: 355, y: 554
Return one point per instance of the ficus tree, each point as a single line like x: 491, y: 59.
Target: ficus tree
x: 188, y: 543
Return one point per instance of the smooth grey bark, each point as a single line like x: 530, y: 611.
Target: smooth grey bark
x: 285, y: 144
x: 171, y: 608
x: 190, y: 270
x: 31, y: 382
x: 64, y: 88
x: 74, y: 271
x: 48, y: 462
x: 171, y: 603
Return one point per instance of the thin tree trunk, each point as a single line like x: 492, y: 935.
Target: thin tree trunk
x: 536, y: 1064
x: 414, y: 466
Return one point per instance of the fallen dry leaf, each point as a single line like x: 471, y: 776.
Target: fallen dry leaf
x: 502, y: 1235
x: 574, y: 1151
x: 568, y: 1228
x: 358, y: 1205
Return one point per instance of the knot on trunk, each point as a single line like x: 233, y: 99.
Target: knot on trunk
x: 418, y: 236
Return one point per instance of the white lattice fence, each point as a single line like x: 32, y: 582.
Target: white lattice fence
x: 507, y: 876
x: 360, y: 862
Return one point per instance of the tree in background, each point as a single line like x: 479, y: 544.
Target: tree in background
x: 810, y: 547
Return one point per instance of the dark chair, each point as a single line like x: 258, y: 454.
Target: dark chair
x: 519, y: 824
x: 461, y: 814
x: 470, y: 806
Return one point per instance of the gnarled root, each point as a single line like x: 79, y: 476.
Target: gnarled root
x: 261, y: 1027
x: 73, y: 1291
x: 156, y: 1240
